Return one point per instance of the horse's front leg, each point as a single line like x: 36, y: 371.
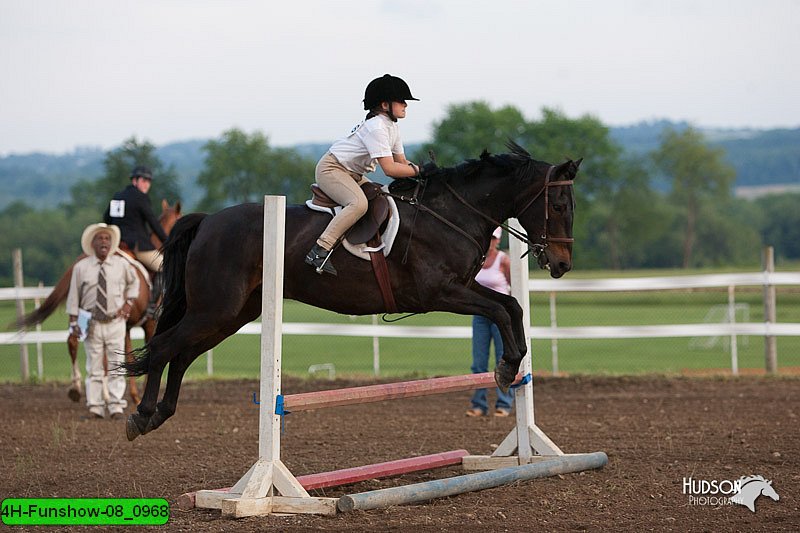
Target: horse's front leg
x: 508, y: 369
x: 492, y: 305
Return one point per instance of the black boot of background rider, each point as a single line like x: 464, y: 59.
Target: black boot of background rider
x: 158, y: 286
x: 316, y: 258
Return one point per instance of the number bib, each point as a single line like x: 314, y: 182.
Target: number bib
x: 117, y: 208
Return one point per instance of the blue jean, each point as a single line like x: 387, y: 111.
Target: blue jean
x: 484, y: 331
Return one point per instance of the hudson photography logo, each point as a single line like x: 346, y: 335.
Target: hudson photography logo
x: 742, y: 491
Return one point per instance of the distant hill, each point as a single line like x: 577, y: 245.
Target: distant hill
x: 762, y: 159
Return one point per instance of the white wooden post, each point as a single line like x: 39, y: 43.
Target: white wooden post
x: 554, y: 340
x: 526, y: 439
x: 732, y: 320
x: 770, y: 314
x: 376, y: 350
x: 210, y: 362
x: 39, y: 353
x: 16, y: 257
x: 269, y: 486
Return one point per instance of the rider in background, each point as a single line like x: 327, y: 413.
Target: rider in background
x: 131, y: 211
x: 341, y: 171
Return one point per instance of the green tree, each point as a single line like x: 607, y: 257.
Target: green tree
x: 698, y: 173
x: 49, y: 240
x: 469, y: 129
x: 608, y: 188
x: 242, y: 168
x: 780, y: 223
x: 118, y: 164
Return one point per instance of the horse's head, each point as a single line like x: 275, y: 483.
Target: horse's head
x: 767, y: 490
x: 545, y: 208
x: 169, y: 215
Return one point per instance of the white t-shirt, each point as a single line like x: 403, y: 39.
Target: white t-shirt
x: 373, y: 138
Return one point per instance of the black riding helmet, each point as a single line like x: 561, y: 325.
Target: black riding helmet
x: 387, y: 88
x: 141, y: 171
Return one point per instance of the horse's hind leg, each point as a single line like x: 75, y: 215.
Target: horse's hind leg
x: 159, y: 352
x: 74, y: 391
x: 177, y: 368
x: 133, y: 392
x: 211, y: 336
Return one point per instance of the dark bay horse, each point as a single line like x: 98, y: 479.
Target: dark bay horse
x: 138, y: 315
x: 212, y: 266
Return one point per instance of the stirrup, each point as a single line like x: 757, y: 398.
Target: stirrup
x: 319, y: 258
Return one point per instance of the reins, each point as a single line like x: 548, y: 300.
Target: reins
x: 537, y: 247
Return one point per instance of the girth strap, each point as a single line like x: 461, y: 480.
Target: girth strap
x: 381, y: 271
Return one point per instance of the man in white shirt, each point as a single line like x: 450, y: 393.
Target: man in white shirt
x: 105, y: 285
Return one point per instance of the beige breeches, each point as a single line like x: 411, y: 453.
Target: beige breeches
x: 151, y: 259
x: 343, y: 187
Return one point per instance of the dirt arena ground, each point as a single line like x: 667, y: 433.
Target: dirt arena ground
x: 656, y: 431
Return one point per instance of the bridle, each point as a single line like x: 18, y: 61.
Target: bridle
x: 536, y: 248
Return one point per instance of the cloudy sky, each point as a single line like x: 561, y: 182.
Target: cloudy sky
x: 94, y: 72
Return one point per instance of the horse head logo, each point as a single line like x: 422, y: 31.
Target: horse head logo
x: 750, y: 488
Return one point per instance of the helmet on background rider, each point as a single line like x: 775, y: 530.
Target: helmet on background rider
x: 141, y: 171
x: 387, y: 88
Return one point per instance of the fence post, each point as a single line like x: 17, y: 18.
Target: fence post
x: 770, y: 305
x: 732, y: 320
x: 376, y: 350
x: 16, y: 256
x: 39, y: 353
x: 554, y: 340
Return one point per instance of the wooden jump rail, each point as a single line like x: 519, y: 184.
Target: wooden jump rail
x: 388, y: 391
x: 348, y: 476
x: 269, y: 486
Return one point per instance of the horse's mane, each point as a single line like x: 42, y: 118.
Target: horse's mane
x: 749, y: 479
x: 516, y: 159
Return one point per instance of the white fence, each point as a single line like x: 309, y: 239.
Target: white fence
x: 730, y: 329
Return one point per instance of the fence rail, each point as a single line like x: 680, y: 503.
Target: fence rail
x: 731, y: 329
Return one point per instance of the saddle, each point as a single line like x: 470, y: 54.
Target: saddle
x: 368, y: 230
x: 369, y: 225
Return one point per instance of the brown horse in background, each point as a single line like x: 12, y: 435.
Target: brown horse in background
x: 137, y: 317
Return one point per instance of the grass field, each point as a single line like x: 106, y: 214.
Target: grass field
x: 238, y: 356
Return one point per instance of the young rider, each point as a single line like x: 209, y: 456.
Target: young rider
x: 341, y: 171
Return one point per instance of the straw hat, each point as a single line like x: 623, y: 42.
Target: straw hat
x: 94, y: 229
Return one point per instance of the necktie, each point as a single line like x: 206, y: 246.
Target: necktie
x: 102, y: 303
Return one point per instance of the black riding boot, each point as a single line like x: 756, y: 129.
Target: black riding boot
x: 318, y: 258
x: 155, y: 294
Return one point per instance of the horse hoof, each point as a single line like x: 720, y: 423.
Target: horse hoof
x: 132, y: 429
x: 504, y: 376
x: 74, y: 395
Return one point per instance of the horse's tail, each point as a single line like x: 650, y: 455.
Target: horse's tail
x: 50, y: 304
x: 173, y: 269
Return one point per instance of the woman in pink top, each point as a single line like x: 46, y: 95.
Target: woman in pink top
x: 496, y: 275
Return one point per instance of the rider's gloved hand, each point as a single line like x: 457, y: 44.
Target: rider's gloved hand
x: 428, y: 168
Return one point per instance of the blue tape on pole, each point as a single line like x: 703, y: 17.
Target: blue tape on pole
x: 281, y: 411
x: 525, y: 380
x: 279, y: 405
